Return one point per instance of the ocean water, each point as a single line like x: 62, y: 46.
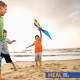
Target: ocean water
x: 47, y: 55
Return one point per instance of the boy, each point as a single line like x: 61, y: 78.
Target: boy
x: 38, y: 48
x: 3, y: 8
x: 5, y: 52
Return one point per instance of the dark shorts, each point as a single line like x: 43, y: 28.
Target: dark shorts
x: 6, y: 57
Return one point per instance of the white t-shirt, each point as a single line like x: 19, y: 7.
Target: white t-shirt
x: 5, y: 49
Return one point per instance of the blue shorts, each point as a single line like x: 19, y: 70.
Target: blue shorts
x: 1, y: 44
x: 6, y: 57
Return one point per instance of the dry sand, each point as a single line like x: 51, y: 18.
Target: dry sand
x: 28, y: 70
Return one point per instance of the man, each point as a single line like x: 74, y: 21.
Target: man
x: 3, y: 8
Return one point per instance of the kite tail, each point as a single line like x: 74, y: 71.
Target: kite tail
x: 46, y: 32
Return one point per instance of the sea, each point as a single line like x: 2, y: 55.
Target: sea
x: 47, y: 55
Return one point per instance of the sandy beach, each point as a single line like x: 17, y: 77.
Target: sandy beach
x: 28, y: 70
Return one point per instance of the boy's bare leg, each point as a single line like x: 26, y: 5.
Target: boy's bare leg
x: 36, y: 64
x: 40, y: 64
x: 13, y: 66
x: 0, y: 75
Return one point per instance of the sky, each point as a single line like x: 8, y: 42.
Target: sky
x: 60, y: 17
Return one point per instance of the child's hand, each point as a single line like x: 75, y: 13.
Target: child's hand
x: 4, y: 45
x: 39, y: 29
x: 14, y: 41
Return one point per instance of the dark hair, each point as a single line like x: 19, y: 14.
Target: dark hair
x: 4, y: 31
x: 36, y: 36
x: 2, y: 4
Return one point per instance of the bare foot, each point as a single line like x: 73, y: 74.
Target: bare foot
x: 39, y: 67
x: 14, y: 68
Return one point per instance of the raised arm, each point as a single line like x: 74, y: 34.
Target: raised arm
x: 40, y: 34
x: 30, y: 46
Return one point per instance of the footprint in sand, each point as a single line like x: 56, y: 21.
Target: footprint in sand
x: 42, y: 70
x: 19, y: 77
x: 32, y: 66
x: 76, y: 68
x: 26, y: 66
x: 3, y: 79
x: 47, y: 65
x: 78, y: 65
x: 7, y: 73
x: 19, y: 68
x: 57, y: 65
x: 40, y: 75
x: 54, y: 69
x: 52, y: 64
x: 64, y: 67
